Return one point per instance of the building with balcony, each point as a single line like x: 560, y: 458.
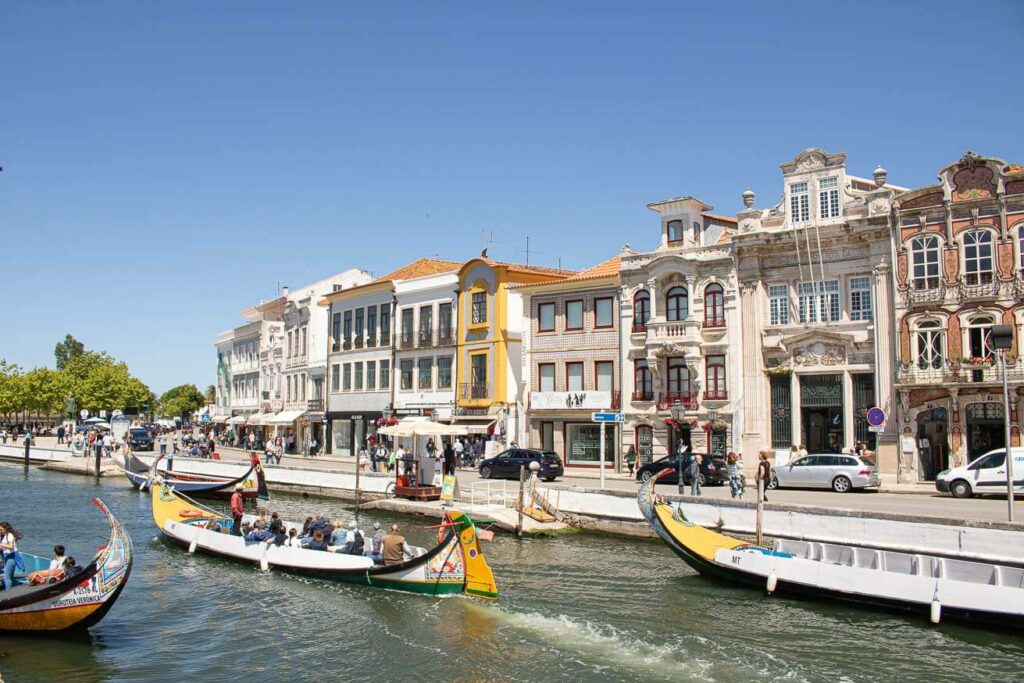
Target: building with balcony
x: 679, y: 329
x: 489, y: 344
x: 361, y: 358
x: 571, y: 364
x: 959, y: 247
x: 426, y: 317
x: 814, y: 276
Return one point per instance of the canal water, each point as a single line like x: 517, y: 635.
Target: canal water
x: 578, y: 608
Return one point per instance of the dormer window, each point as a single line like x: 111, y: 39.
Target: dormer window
x: 696, y: 233
x: 828, y: 197
x: 799, y: 203
x: 675, y: 231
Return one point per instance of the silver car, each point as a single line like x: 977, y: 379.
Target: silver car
x: 840, y: 472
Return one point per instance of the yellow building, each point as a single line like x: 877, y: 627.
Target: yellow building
x: 489, y: 343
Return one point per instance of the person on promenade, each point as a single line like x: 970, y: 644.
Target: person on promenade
x: 732, y: 465
x: 237, y: 510
x: 394, y: 547
x: 695, y: 463
x: 631, y: 459
x: 802, y: 451
x: 60, y: 434
x: 392, y: 458
x: 362, y: 459
x: 3, y: 435
x: 449, y: 459
x: 764, y: 473
x: 459, y: 450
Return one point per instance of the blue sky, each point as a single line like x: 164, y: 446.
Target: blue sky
x: 168, y: 164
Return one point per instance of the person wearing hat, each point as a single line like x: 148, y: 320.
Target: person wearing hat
x: 376, y: 543
x: 237, y: 510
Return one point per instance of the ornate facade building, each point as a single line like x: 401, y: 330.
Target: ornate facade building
x: 815, y: 278
x: 960, y: 270
x: 679, y: 334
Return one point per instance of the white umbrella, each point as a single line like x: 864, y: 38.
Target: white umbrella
x: 428, y: 428
x: 93, y: 420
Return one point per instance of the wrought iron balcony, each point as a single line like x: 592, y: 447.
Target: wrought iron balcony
x: 371, y: 341
x: 445, y: 336
x: 687, y: 399
x: 315, y: 405
x: 425, y: 339
x: 406, y: 340
x: 474, y: 390
x: 359, y: 341
x: 346, y: 345
x: 714, y: 323
x: 639, y: 328
x: 926, y: 291
x: 974, y: 288
x: 716, y: 395
x: 952, y: 372
x: 643, y: 395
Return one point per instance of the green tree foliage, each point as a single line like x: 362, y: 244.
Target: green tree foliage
x: 211, y: 393
x: 181, y: 401
x: 44, y: 390
x: 12, y: 388
x: 66, y: 350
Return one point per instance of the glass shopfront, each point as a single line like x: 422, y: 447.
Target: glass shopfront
x: 348, y: 432
x: 583, y: 444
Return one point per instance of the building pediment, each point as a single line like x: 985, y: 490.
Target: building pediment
x: 812, y: 348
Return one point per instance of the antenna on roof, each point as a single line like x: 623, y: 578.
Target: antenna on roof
x: 488, y: 238
x: 528, y: 252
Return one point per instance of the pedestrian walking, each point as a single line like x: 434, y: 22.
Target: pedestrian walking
x: 459, y: 450
x: 694, y: 469
x: 60, y: 434
x: 732, y: 464
x: 764, y: 473
x: 631, y: 459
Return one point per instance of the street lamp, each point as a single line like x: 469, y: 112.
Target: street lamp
x: 677, y: 413
x: 1001, y: 338
x: 534, y: 466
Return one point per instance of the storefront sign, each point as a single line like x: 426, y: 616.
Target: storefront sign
x: 718, y: 442
x: 645, y: 444
x: 570, y: 400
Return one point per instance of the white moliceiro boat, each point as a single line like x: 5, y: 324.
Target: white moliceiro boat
x: 935, y: 586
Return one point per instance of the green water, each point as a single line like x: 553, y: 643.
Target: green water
x: 578, y: 608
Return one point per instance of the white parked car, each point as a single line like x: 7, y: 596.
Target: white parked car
x: 986, y: 474
x: 839, y: 472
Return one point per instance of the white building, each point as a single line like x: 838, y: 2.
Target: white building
x: 425, y: 315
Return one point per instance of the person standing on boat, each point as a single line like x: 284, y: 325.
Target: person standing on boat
x: 237, y: 510
x: 9, y: 546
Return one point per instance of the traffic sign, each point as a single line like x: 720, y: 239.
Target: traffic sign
x: 876, y: 428
x: 607, y: 417
x: 876, y: 417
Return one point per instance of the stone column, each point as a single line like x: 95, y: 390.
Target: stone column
x: 849, y: 429
x: 755, y: 428
x: 795, y: 408
x: 885, y: 368
x: 652, y: 289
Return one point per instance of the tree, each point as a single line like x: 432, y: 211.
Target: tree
x: 66, y: 350
x: 181, y: 401
x: 211, y: 393
x: 12, y: 388
x: 44, y: 391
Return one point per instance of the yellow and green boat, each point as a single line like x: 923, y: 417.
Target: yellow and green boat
x: 455, y: 565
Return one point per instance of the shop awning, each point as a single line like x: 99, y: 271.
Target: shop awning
x: 219, y: 419
x: 480, y: 429
x: 285, y: 417
x: 237, y: 420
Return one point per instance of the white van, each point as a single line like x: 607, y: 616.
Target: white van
x: 986, y: 474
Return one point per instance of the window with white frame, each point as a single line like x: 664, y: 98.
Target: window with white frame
x: 778, y: 304
x: 799, y: 203
x: 979, y: 337
x: 978, y: 257
x: 930, y: 345
x: 828, y: 197
x: 371, y: 371
x: 860, y: 298
x: 924, y: 253
x: 819, y: 301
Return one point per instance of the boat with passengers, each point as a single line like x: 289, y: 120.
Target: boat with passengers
x: 455, y: 565
x: 930, y: 585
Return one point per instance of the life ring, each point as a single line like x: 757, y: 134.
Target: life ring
x: 190, y: 514
x: 46, y: 576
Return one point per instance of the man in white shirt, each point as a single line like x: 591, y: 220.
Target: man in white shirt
x: 459, y: 448
x: 108, y: 443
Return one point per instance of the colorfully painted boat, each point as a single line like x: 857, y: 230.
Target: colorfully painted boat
x: 254, y: 483
x: 928, y: 585
x: 76, y: 601
x: 455, y: 565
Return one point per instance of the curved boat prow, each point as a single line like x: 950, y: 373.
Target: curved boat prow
x: 479, y: 577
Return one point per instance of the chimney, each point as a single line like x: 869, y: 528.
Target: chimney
x: 284, y: 291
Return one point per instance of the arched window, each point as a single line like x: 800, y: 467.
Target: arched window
x: 930, y: 345
x: 1020, y: 251
x: 979, y: 333
x: 678, y: 379
x: 714, y: 305
x: 924, y: 254
x: 677, y: 304
x: 641, y: 310
x: 643, y: 384
x: 978, y: 257
x: 675, y: 231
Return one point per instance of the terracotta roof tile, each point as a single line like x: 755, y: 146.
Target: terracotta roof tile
x: 529, y: 270
x: 420, y: 268
x: 716, y: 217
x: 607, y: 268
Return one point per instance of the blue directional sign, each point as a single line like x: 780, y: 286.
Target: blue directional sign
x: 607, y: 417
x: 876, y: 417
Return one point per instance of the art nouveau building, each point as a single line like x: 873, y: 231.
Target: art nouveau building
x: 959, y: 271
x: 489, y: 344
x: 571, y: 364
x: 814, y: 276
x: 426, y: 315
x: 679, y: 333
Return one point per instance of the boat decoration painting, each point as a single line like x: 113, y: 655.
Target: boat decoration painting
x: 254, y: 483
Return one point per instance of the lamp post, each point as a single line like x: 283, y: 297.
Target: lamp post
x: 534, y: 466
x: 677, y: 412
x: 1001, y: 339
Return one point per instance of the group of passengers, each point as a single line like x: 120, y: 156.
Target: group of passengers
x: 62, y: 565
x: 321, y: 533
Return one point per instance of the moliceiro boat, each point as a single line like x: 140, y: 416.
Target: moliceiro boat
x: 75, y: 600
x: 455, y: 565
x: 254, y: 483
x: 928, y: 585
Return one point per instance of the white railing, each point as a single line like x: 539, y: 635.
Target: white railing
x: 501, y: 493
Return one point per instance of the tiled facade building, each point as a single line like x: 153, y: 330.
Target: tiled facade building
x: 959, y: 248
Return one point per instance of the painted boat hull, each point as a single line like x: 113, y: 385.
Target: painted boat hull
x: 79, y: 601
x: 732, y: 560
x: 254, y: 484
x: 455, y: 565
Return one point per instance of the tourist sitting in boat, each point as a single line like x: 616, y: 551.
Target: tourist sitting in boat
x: 317, y: 543
x: 394, y: 547
x: 71, y: 567
x: 321, y: 524
x: 260, y: 533
x: 355, y: 541
x: 214, y: 525
x: 293, y: 540
x: 339, y: 536
x: 58, y: 557
x: 376, y: 546
x: 279, y: 531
